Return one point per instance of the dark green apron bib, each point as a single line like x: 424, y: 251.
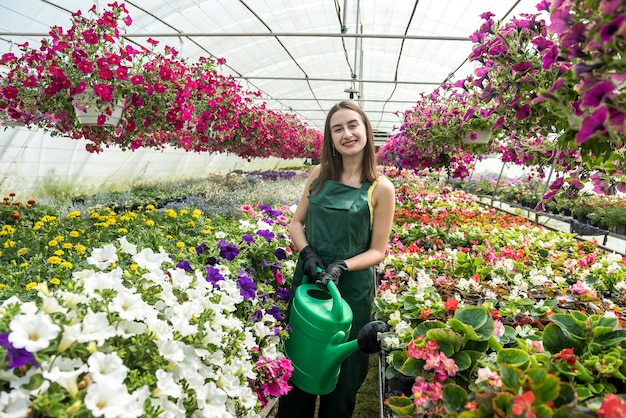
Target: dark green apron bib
x: 337, y: 227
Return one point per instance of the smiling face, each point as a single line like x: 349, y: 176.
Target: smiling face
x: 348, y: 132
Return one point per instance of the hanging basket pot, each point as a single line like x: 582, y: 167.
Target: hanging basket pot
x: 87, y: 110
x: 482, y: 137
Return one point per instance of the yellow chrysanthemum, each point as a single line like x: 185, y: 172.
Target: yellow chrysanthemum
x: 73, y: 215
x: 38, y: 225
x: 171, y: 213
x: 134, y: 267
x: 183, y: 211
x: 59, y: 238
x: 80, y: 249
x: 54, y: 260
x: 122, y: 230
x: 74, y: 234
x: 55, y: 281
x: 2, y: 285
x: 59, y: 252
x: 66, y: 265
x: 150, y: 207
x: 196, y: 213
x: 31, y: 285
x: 180, y: 244
x: 9, y: 244
x: 68, y: 245
x: 22, y: 251
x: 191, y: 223
x: 53, y: 243
x: 149, y: 222
x: 24, y: 265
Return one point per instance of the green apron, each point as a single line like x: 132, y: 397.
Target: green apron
x: 337, y: 227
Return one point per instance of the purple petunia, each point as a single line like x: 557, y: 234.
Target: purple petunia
x: 280, y: 254
x: 267, y: 234
x: 17, y: 357
x: 184, y: 265
x: 247, y: 287
x: 213, y: 276
x: 228, y: 251
x: 248, y: 238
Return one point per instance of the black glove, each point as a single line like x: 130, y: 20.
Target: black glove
x: 311, y: 263
x: 333, y: 272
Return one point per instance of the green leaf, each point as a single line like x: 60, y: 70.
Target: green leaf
x: 448, y: 340
x: 567, y: 396
x: 510, y: 377
x: 34, y: 382
x: 542, y: 411
x: 555, y: 340
x: 513, y: 357
x: 401, y: 406
x: 463, y: 329
x: 454, y: 398
x: 569, y: 324
x: 475, y: 316
x: 612, y: 338
x: 412, y: 367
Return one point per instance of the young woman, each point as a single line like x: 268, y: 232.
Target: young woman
x: 342, y: 225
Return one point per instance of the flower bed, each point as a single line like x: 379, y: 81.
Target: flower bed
x: 145, y: 312
x: 493, y: 315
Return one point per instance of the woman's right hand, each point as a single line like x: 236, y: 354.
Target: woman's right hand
x: 312, y: 264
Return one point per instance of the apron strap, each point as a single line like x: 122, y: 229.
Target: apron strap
x: 369, y: 202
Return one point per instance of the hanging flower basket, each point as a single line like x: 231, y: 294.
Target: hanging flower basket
x: 477, y: 137
x: 88, y: 111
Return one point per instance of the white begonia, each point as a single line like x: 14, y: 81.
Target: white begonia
x: 64, y: 372
x: 32, y: 332
x: 391, y: 342
x: 106, y: 367
x: 389, y: 297
x: 126, y: 246
x: 103, y: 257
x: 620, y: 286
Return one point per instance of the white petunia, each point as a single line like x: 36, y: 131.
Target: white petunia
x: 126, y: 246
x: 212, y: 400
x: 167, y: 386
x: 171, y: 350
x: 32, y: 332
x: 96, y: 327
x: 128, y: 305
x: 106, y: 367
x: 15, y: 404
x: 107, y: 399
x: 64, y: 371
x: 103, y: 257
x: 150, y: 260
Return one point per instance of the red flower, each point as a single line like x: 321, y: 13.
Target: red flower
x: 612, y: 407
x: 566, y: 355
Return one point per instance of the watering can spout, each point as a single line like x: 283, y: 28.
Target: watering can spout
x: 367, y: 342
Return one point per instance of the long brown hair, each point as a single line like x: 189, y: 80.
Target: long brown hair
x: 332, y: 165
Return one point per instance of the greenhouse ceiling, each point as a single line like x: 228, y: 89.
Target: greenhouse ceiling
x: 302, y: 55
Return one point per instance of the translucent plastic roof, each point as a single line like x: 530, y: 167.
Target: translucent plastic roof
x: 301, y: 54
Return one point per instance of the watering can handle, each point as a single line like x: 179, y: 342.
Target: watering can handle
x: 337, y: 309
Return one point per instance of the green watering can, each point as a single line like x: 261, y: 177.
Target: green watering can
x: 320, y: 324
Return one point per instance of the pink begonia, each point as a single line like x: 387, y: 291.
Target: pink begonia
x: 581, y: 288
